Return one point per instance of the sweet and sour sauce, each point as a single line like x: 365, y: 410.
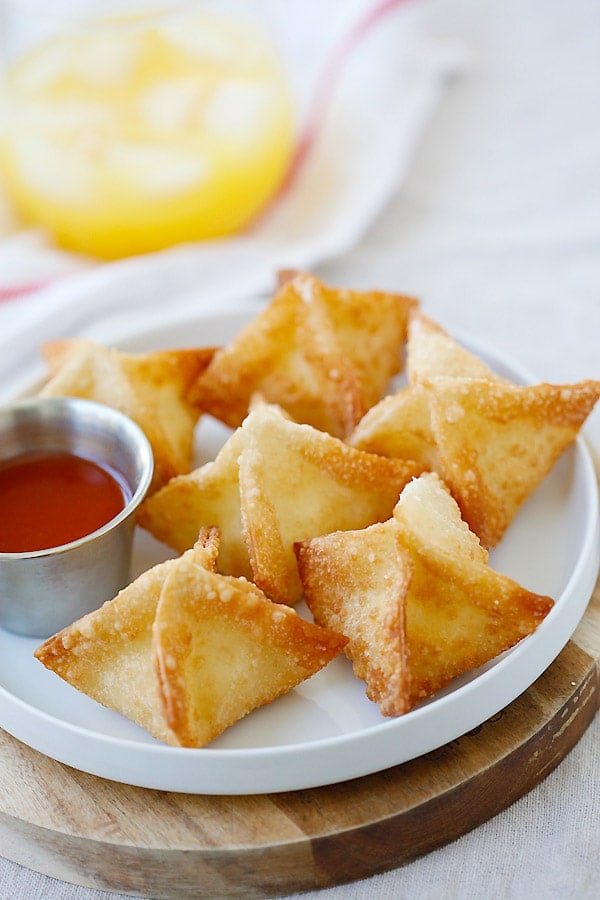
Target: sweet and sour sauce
x: 51, y: 499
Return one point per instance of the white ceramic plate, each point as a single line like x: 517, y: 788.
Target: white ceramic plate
x: 326, y: 730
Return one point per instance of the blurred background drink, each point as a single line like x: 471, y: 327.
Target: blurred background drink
x: 126, y: 128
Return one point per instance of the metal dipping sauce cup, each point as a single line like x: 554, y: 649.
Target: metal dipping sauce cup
x: 41, y: 591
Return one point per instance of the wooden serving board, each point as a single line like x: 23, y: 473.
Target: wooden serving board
x: 97, y: 833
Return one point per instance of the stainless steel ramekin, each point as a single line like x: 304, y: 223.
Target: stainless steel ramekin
x: 44, y: 590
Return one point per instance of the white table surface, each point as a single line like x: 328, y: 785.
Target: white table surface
x: 497, y: 230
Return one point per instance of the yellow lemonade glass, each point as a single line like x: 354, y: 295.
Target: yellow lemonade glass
x: 138, y: 132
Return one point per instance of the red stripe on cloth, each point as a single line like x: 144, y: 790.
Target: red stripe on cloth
x: 326, y: 86
x: 15, y: 292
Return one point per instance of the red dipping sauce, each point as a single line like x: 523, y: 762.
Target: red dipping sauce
x: 51, y: 499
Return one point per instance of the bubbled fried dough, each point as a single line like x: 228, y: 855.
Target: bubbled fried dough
x: 273, y: 483
x: 108, y: 654
x: 432, y: 351
x: 207, y: 496
x: 185, y: 653
x: 492, y: 441
x: 295, y: 482
x: 323, y: 354
x: 371, y: 328
x: 416, y: 598
x: 399, y: 425
x: 355, y: 583
x: 222, y: 649
x: 497, y: 442
x: 152, y: 389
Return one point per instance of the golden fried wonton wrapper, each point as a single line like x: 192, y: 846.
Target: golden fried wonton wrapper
x: 324, y: 355
x: 223, y: 649
x: 185, y: 652
x: 416, y: 598
x: 431, y: 351
x: 492, y: 441
x: 400, y: 424
x: 108, y: 654
x: 371, y: 328
x: 497, y: 442
x: 210, y: 495
x: 297, y: 482
x: 275, y: 482
x: 150, y: 388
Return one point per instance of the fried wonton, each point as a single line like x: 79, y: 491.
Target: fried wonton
x: 400, y: 424
x: 497, y: 442
x: 108, y: 654
x: 222, y: 649
x: 151, y: 388
x: 371, y: 328
x: 274, y: 482
x: 297, y: 482
x: 416, y: 598
x: 324, y: 355
x: 209, y: 495
x: 185, y: 653
x: 492, y: 441
x: 431, y: 351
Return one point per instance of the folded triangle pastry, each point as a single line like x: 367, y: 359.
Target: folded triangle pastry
x: 185, y: 653
x: 324, y: 355
x: 492, y: 441
x: 108, y: 654
x: 207, y: 496
x: 432, y: 351
x: 497, y: 442
x: 222, y: 649
x: 297, y: 482
x: 150, y: 388
x: 416, y: 598
x: 370, y: 327
x: 399, y: 425
x: 280, y: 482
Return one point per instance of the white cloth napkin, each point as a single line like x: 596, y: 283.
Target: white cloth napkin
x: 374, y: 81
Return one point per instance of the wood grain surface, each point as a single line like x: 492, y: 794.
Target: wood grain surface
x: 93, y: 832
